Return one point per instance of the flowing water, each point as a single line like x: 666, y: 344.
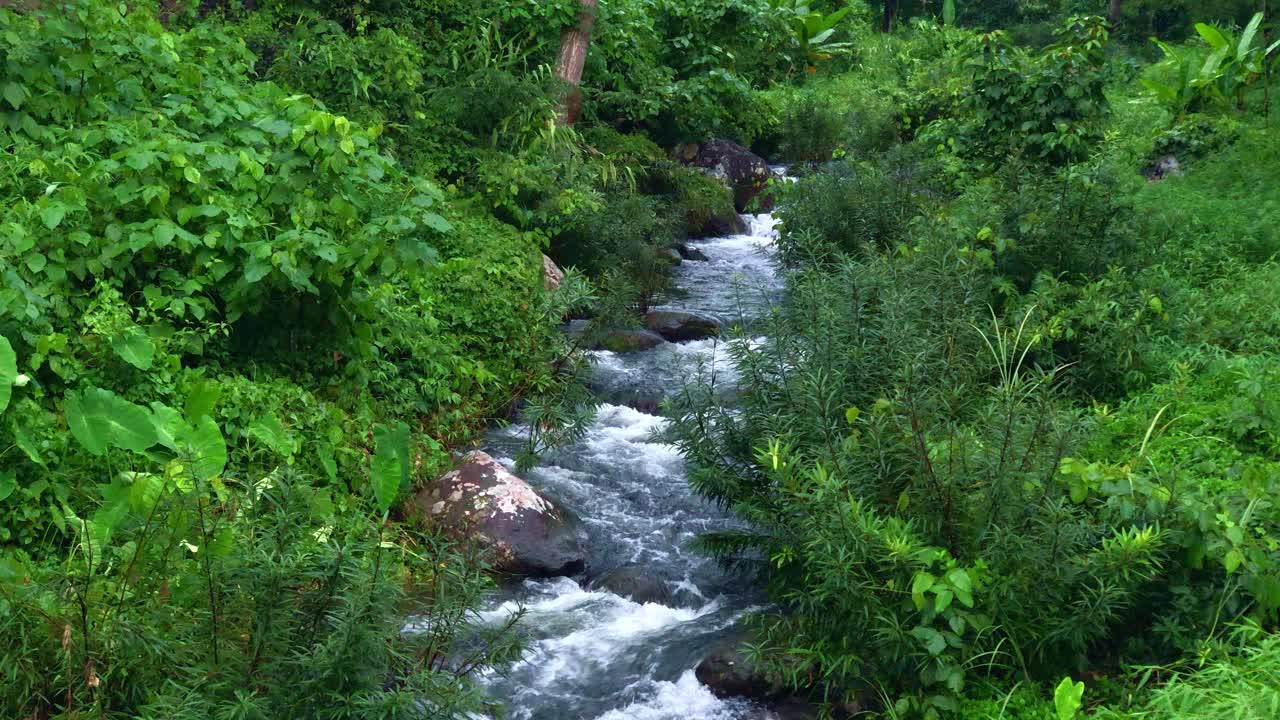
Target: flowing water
x: 595, y: 655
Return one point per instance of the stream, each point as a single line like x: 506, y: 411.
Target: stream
x: 594, y: 654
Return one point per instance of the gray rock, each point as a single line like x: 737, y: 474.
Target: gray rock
x: 720, y: 225
x: 786, y: 709
x: 727, y: 673
x: 746, y: 173
x: 1167, y: 166
x: 679, y: 326
x: 527, y: 534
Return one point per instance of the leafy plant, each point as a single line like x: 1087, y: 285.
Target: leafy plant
x: 813, y: 29
x: 1050, y: 102
x: 1220, y: 75
x: 1067, y: 698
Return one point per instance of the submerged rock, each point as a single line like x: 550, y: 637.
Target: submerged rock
x: 625, y: 341
x: 746, y: 173
x: 484, y: 502
x: 636, y: 583
x: 727, y: 673
x: 679, y: 326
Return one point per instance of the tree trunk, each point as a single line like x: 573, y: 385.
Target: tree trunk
x: 574, y: 42
x: 1113, y: 13
x: 890, y: 10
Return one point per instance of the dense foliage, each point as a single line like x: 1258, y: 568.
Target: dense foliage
x: 999, y: 433
x: 264, y: 266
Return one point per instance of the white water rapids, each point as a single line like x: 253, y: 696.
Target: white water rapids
x: 595, y: 655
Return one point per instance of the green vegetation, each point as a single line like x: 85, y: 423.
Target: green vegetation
x: 1015, y: 421
x: 264, y: 267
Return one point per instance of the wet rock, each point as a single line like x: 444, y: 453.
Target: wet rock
x: 727, y: 673
x: 646, y: 400
x: 625, y: 341
x: 719, y: 225
x: 681, y: 326
x: 688, y: 252
x: 482, y: 501
x: 636, y: 583
x: 685, y: 152
x: 746, y: 173
x: 786, y: 709
x: 671, y: 256
x: 552, y: 275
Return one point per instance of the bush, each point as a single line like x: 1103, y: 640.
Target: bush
x: 1047, y: 104
x: 621, y: 238
x: 851, y: 207
x: 209, y: 198
x: 811, y: 128
x: 277, y: 598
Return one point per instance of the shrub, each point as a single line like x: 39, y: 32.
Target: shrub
x: 277, y: 598
x: 1075, y: 222
x: 1048, y: 104
x: 209, y: 198
x: 811, y: 128
x: 851, y: 206
x: 624, y: 235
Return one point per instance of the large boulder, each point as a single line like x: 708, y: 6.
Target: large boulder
x: 527, y: 534
x: 552, y: 275
x: 746, y: 173
x: 724, y: 225
x: 679, y: 326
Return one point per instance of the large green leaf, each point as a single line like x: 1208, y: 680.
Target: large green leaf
x: 168, y: 423
x: 8, y: 483
x: 25, y: 443
x: 8, y: 372
x: 324, y: 452
x: 99, y: 419
x: 135, y: 347
x: 273, y: 434
x: 201, y: 399
x: 1067, y: 698
x: 144, y: 491
x: 1213, y: 36
x: 1246, y: 38
x: 390, y: 468
x: 207, y: 448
